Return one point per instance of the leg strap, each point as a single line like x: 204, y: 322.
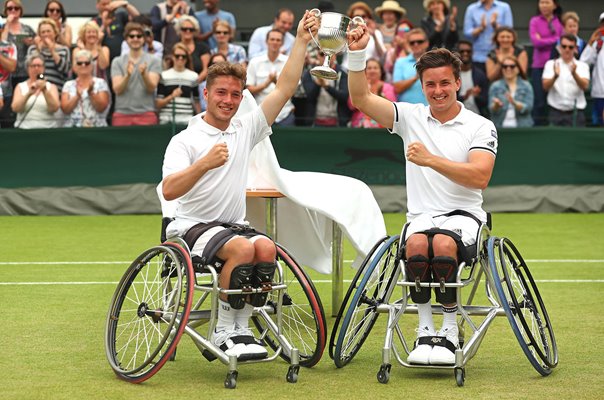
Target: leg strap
x: 418, y: 270
x: 241, y: 278
x: 444, y: 270
x: 262, y: 278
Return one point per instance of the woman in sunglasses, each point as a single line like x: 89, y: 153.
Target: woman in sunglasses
x: 55, y: 11
x: 21, y: 35
x: 504, y: 40
x: 400, y: 47
x: 234, y: 53
x: 375, y: 47
x: 187, y: 28
x: 85, y: 100
x: 511, y: 98
x: 90, y: 38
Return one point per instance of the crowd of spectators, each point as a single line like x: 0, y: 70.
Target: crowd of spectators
x: 141, y: 67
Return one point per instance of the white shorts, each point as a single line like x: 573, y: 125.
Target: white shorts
x: 466, y: 227
x: 203, y: 240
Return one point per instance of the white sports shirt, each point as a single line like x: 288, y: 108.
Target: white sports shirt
x: 429, y: 192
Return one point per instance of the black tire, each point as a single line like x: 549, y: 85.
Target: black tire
x: 304, y: 323
x: 148, y: 312
x: 523, y: 304
x: 378, y: 281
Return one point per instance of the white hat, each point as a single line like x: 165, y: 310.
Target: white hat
x: 390, y: 5
x: 447, y: 3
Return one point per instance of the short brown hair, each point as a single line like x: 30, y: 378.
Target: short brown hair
x: 17, y: 2
x: 133, y: 26
x: 518, y: 67
x: 436, y: 58
x: 225, y: 68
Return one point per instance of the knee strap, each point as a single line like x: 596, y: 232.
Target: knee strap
x: 241, y: 278
x: 262, y: 278
x: 444, y: 270
x: 418, y: 270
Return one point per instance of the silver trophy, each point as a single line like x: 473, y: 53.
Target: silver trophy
x: 331, y: 39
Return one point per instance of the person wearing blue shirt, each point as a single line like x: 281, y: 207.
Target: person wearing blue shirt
x: 206, y: 20
x: 404, y: 75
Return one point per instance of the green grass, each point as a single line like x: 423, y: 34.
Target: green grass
x: 52, y: 338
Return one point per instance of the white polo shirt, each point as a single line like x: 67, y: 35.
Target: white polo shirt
x: 565, y: 91
x: 429, y: 192
x: 220, y: 194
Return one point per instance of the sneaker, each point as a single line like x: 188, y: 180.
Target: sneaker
x: 444, y: 351
x: 253, y: 346
x: 422, y: 348
x: 227, y: 339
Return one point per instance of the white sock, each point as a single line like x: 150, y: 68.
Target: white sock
x: 242, y: 317
x: 449, y: 316
x: 226, y: 315
x: 424, y: 312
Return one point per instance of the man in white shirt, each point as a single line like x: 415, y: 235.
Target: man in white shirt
x: 284, y: 20
x: 450, y: 155
x: 262, y: 74
x: 593, y: 55
x: 566, y: 79
x: 205, y: 168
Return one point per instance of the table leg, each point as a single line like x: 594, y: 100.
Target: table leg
x: 337, y: 273
x: 271, y: 218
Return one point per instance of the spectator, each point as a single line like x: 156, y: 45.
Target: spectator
x: 163, y: 18
x: 214, y: 58
x: 481, y: 20
x: 284, y: 20
x: 440, y: 24
x: 566, y: 79
x: 55, y: 11
x: 8, y: 64
x: 327, y: 100
x: 56, y: 56
x: 21, y: 35
x: 375, y: 78
x: 593, y: 55
x: 390, y: 12
x: 474, y: 91
x: 234, y: 53
x: 504, y: 40
x: 511, y: 98
x: 89, y: 39
x: 545, y: 29
x: 375, y: 47
x: 85, y: 100
x: 400, y: 48
x: 135, y: 77
x: 112, y: 19
x: 570, y: 23
x: 208, y: 16
x: 262, y: 74
x: 36, y: 100
x: 405, y: 79
x: 178, y: 90
x: 151, y: 46
x: 187, y: 28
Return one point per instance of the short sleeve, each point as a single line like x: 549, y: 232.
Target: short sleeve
x: 176, y: 157
x: 548, y: 69
x: 485, y: 139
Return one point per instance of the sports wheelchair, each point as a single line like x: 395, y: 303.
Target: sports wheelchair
x: 165, y: 292
x: 510, y: 290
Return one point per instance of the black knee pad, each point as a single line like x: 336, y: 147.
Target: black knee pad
x: 444, y: 270
x: 241, y: 278
x: 418, y: 270
x: 262, y: 278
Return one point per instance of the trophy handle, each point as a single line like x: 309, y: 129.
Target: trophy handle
x: 356, y: 21
x: 317, y: 13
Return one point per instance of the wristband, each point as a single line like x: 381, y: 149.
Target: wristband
x: 356, y: 60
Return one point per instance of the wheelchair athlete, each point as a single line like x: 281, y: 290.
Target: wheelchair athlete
x: 205, y: 168
x: 450, y: 154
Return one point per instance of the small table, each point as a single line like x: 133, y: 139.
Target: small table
x: 337, y: 273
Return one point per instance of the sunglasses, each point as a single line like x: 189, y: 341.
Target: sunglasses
x: 187, y: 29
x: 567, y: 46
x: 221, y: 33
x: 135, y: 36
x: 414, y: 42
x: 180, y: 56
x: 508, y: 66
x: 80, y: 63
x: 54, y: 10
x: 11, y: 8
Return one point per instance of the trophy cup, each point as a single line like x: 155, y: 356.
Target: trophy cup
x: 331, y: 39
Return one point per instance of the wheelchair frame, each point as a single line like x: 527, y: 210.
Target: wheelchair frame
x: 509, y: 288
x: 154, y: 305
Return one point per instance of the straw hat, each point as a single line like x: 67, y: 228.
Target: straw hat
x: 447, y: 3
x: 390, y: 5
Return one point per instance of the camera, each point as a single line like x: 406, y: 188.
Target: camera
x: 148, y: 32
x: 41, y: 76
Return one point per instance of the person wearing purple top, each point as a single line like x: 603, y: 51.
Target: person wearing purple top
x: 545, y: 30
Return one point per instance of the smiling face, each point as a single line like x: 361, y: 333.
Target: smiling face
x: 567, y: 49
x: 284, y: 22
x: 91, y: 35
x: 46, y: 31
x: 505, y: 39
x: 187, y: 30
x: 373, y: 72
x: 223, y: 96
x: 571, y: 26
x: 440, y: 88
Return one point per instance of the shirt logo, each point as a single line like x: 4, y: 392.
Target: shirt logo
x: 494, y: 134
x: 491, y: 144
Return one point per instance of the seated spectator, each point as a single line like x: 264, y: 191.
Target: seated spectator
x: 404, y: 77
x: 151, y: 46
x: 187, y: 28
x: 89, y: 39
x: 511, y: 98
x: 8, y: 64
x: 390, y: 12
x: 283, y: 22
x: 570, y: 23
x: 375, y: 78
x: 594, y: 56
x: 85, y: 100
x: 178, y: 91
x: 234, y: 53
x: 566, y: 79
x: 327, y: 100
x: 375, y: 48
x: 474, y: 91
x: 440, y: 24
x: 113, y: 15
x: 504, y: 40
x: 135, y: 77
x: 400, y: 48
x: 56, y: 56
x: 214, y: 58
x: 55, y: 11
x: 19, y: 34
x: 163, y: 18
x: 36, y: 100
x: 208, y: 16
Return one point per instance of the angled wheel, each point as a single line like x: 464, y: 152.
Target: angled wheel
x: 303, y: 321
x: 374, y: 288
x: 523, y: 304
x: 148, y: 312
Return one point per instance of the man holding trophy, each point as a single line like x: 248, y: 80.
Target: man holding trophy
x: 450, y: 153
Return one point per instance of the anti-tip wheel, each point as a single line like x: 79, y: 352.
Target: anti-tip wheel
x: 383, y: 375
x: 460, y: 376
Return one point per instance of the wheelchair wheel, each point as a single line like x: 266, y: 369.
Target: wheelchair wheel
x: 149, y: 312
x: 523, y: 304
x: 375, y: 287
x: 303, y: 323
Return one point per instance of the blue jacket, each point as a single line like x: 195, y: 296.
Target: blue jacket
x: 524, y: 94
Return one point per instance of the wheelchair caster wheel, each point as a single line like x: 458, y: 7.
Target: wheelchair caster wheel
x: 292, y: 374
x: 231, y: 380
x: 173, y: 356
x: 460, y: 376
x: 383, y: 375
